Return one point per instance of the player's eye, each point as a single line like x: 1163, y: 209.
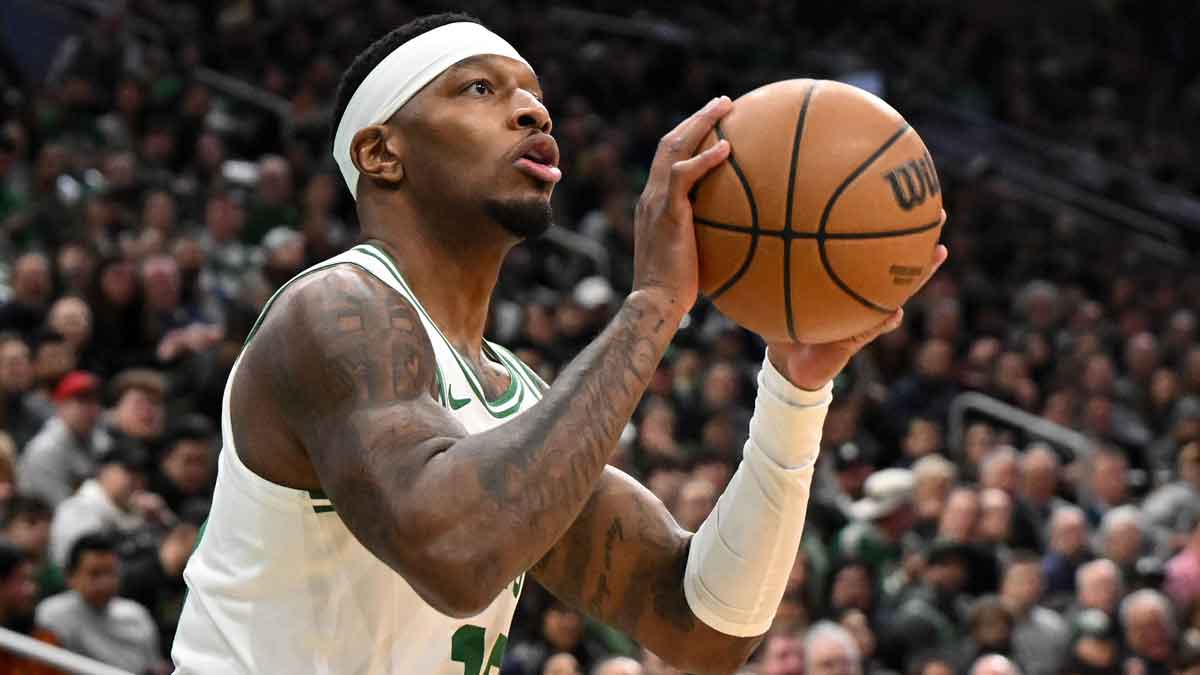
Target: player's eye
x: 479, y: 88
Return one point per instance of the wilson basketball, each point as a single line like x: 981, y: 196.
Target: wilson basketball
x: 824, y: 218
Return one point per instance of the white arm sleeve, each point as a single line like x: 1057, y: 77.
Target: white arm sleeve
x: 741, y: 556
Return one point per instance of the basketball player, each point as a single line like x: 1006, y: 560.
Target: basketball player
x: 389, y: 477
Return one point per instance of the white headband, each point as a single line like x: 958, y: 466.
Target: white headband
x: 401, y: 74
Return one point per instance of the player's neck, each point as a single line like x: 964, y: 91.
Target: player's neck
x: 452, y: 279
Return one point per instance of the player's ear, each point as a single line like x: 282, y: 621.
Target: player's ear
x: 378, y: 152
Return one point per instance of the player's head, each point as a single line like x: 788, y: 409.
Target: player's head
x: 447, y: 116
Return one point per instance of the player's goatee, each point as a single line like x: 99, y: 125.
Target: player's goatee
x: 526, y: 218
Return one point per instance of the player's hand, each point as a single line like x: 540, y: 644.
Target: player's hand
x: 665, y: 261
x: 810, y: 366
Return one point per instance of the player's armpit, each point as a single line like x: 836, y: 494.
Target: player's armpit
x: 622, y: 562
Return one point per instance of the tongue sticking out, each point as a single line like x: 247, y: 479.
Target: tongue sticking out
x: 538, y: 170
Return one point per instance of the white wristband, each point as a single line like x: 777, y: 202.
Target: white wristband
x: 741, y: 556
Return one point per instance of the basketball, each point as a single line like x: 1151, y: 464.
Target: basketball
x: 824, y: 219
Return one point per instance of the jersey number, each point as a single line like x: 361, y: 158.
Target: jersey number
x: 466, y: 647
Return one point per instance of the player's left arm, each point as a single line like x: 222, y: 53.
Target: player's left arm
x: 622, y: 562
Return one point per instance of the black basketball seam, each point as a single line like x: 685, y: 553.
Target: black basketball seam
x: 754, y: 230
x: 742, y: 229
x: 787, y: 219
x: 821, y: 236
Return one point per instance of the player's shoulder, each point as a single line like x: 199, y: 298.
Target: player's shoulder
x: 313, y: 290
x: 333, y: 330
x: 332, y: 298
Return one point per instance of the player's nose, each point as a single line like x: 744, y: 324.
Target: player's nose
x: 529, y: 113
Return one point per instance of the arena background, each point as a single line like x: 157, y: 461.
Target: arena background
x: 164, y: 166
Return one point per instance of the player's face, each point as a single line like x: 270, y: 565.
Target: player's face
x: 480, y: 135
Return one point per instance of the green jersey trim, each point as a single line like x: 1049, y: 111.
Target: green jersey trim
x: 510, y: 401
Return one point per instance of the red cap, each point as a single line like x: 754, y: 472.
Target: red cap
x: 76, y: 383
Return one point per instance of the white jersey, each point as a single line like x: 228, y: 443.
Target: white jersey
x: 278, y: 584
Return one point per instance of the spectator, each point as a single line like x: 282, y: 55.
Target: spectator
x: 1040, y: 636
x: 881, y: 520
x: 696, y: 500
x: 283, y: 256
x: 1068, y: 549
x: 928, y: 391
x: 272, y: 205
x: 995, y: 525
x: 19, y: 414
x: 186, y: 467
x: 26, y: 525
x: 782, y: 653
x: 1150, y: 630
x: 1038, y: 492
x: 118, y: 309
x: 53, y: 358
x: 960, y: 516
x: 165, y: 313
x: 852, y: 463
x: 1094, y: 645
x: 922, y: 439
x: 1122, y: 540
x: 999, y: 470
x: 1098, y: 585
x: 829, y: 649
x: 562, y: 632
x: 859, y: 626
x: 90, y: 619
x: 1178, y: 502
x: 989, y: 630
x: 71, y: 318
x: 1108, y: 482
x: 154, y: 579
x: 18, y: 597
x: 63, y: 454
x: 114, y: 502
x: 1182, y: 429
x: 31, y: 292
x: 930, y: 615
x: 933, y: 480
x: 852, y: 587
x: 139, y: 412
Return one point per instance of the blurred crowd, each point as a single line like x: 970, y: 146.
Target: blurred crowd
x: 146, y: 214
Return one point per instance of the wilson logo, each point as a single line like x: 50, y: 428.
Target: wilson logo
x: 913, y: 182
x: 903, y: 275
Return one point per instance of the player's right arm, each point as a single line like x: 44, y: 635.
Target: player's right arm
x: 460, y: 516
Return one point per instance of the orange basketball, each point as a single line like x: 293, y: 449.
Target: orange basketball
x: 825, y: 216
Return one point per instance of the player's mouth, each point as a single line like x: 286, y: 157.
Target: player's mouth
x: 537, y: 157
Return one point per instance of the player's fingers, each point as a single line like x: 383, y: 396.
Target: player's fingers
x: 940, y: 253
x: 681, y: 142
x: 891, y: 323
x: 684, y: 174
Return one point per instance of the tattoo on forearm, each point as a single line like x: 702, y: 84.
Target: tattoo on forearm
x: 611, y: 376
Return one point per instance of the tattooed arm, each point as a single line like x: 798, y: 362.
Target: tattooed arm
x: 458, y: 516
x: 622, y: 562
